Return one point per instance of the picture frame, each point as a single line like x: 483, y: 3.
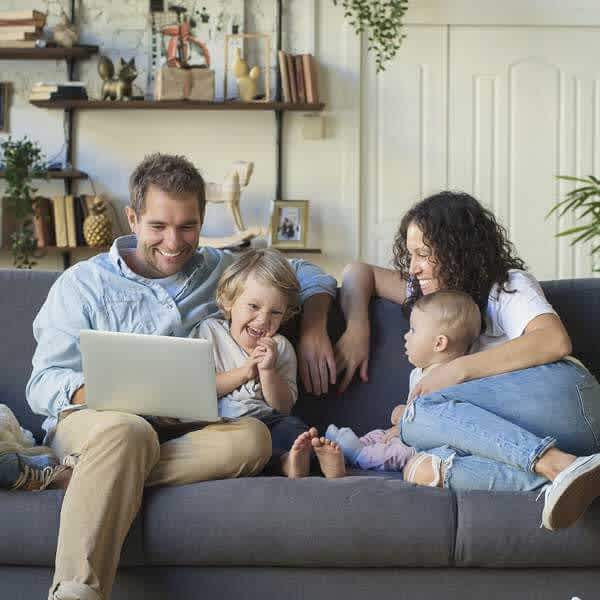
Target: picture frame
x: 289, y: 224
x: 4, y: 106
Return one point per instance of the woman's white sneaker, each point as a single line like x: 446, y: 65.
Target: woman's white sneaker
x: 570, y: 494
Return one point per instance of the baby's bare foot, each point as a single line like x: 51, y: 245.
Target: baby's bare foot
x: 330, y: 457
x: 296, y: 463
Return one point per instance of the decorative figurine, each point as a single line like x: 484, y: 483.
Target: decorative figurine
x: 97, y: 227
x: 229, y: 193
x: 182, y: 43
x: 65, y: 34
x: 247, y: 81
x: 121, y: 87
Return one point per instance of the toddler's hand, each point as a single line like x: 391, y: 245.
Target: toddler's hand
x: 251, y: 366
x: 397, y: 414
x: 266, y: 354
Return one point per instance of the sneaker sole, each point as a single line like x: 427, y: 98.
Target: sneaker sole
x: 574, y: 501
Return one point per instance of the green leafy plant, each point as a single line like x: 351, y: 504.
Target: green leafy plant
x: 381, y: 20
x: 584, y: 202
x: 22, y: 163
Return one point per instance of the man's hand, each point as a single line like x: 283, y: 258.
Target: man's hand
x: 79, y: 396
x: 352, y: 353
x: 441, y: 377
x: 265, y: 354
x: 316, y: 361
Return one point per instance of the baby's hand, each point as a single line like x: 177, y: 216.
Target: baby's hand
x: 397, y: 414
x: 390, y: 434
x: 266, y: 353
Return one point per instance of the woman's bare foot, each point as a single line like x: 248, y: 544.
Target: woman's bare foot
x: 330, y: 457
x: 296, y: 463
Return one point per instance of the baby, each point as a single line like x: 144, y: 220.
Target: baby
x: 443, y: 326
x: 256, y: 367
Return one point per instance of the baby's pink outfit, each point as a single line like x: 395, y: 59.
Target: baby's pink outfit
x: 380, y: 455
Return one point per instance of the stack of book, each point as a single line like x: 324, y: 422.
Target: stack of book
x: 66, y: 90
x: 299, y: 78
x: 21, y: 28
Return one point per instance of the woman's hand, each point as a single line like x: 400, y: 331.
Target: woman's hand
x: 266, y: 354
x: 390, y: 434
x: 441, y: 377
x: 352, y: 353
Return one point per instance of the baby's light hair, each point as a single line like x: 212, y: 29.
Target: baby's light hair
x: 270, y: 267
x: 458, y: 316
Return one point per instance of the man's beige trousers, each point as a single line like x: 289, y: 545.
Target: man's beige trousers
x: 116, y: 455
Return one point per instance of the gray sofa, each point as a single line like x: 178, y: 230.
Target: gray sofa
x: 368, y: 535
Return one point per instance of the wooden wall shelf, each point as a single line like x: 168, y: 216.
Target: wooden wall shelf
x: 175, y: 105
x: 77, y: 52
x: 65, y: 174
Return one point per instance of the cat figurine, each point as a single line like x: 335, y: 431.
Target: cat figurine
x: 118, y: 88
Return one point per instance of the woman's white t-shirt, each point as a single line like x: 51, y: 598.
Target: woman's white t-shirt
x: 508, y: 314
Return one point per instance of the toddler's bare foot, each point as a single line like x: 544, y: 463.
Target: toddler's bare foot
x: 296, y: 463
x: 330, y: 457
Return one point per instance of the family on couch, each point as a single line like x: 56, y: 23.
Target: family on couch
x: 519, y: 414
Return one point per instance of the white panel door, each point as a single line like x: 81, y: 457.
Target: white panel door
x: 524, y: 106
x: 403, y: 136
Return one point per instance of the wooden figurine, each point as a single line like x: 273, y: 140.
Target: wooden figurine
x: 65, y: 33
x: 247, y: 80
x: 229, y: 193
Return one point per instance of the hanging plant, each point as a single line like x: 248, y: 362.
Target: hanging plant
x: 22, y: 163
x: 381, y: 20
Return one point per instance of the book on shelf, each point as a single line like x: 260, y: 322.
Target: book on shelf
x: 10, y: 29
x: 79, y: 218
x: 43, y: 223
x: 309, y: 67
x: 52, y: 86
x: 60, y: 223
x: 70, y: 221
x: 63, y: 93
x: 300, y: 78
x: 16, y: 18
x: 292, y: 78
x: 283, y: 72
x: 19, y: 37
x: 17, y: 44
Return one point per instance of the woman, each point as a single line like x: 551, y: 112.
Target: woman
x: 510, y: 416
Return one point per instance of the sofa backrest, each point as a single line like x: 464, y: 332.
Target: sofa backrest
x: 22, y: 294
x: 363, y: 406
x: 366, y: 406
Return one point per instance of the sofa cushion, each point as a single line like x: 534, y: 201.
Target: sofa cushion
x: 349, y: 522
x: 29, y: 530
x: 502, y: 529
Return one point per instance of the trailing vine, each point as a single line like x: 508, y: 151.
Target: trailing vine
x: 381, y: 20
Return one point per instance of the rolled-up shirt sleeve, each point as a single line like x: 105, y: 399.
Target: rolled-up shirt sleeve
x: 57, y: 368
x: 313, y: 280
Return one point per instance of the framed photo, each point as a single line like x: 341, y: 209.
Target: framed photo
x: 289, y: 224
x: 4, y: 100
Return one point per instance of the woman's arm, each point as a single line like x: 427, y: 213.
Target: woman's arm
x: 544, y: 340
x: 360, y: 282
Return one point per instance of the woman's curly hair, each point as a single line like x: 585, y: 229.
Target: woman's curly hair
x: 471, y: 248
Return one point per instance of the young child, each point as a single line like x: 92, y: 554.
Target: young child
x: 443, y: 326
x: 256, y: 367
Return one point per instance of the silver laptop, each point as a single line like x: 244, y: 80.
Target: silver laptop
x: 149, y: 375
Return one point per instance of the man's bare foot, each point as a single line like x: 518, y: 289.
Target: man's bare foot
x: 330, y: 457
x: 296, y: 463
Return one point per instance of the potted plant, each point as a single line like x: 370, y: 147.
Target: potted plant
x: 22, y: 163
x: 584, y: 202
x: 381, y: 20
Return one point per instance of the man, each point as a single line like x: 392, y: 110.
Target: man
x: 155, y: 282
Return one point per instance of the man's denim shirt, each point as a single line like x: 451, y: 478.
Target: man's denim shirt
x: 103, y: 293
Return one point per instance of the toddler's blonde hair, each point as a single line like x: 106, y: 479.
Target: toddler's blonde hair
x: 270, y: 267
x: 458, y: 316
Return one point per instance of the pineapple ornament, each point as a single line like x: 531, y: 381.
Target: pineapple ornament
x: 97, y: 228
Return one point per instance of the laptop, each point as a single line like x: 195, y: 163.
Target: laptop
x: 149, y: 375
